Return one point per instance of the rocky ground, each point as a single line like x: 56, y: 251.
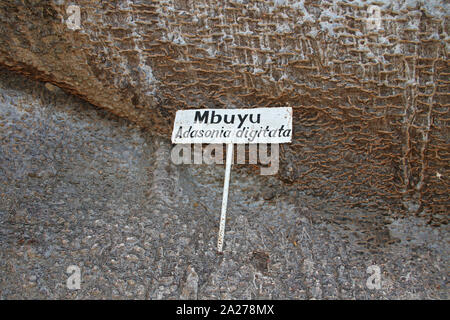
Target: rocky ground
x: 82, y: 187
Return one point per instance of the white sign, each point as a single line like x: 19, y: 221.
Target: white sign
x: 259, y: 125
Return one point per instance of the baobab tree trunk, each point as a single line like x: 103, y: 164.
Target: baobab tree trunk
x: 369, y: 84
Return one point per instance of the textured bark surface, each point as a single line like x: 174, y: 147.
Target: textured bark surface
x: 81, y: 187
x: 371, y: 106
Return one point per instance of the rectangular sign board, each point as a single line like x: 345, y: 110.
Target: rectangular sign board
x: 258, y: 125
